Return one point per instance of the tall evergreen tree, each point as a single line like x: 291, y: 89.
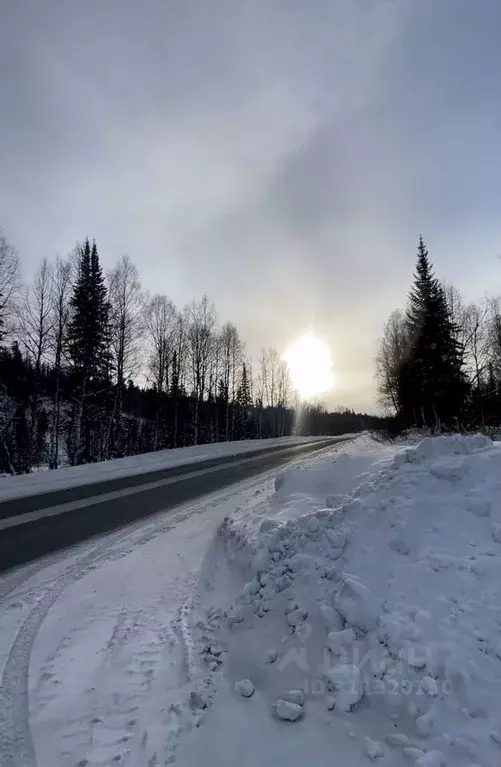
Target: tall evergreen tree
x: 88, y: 330
x: 432, y: 385
x: 245, y: 427
x: 88, y: 343
x: 1, y: 321
x: 244, y: 398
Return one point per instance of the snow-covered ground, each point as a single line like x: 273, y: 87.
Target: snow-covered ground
x: 47, y: 481
x: 344, y: 611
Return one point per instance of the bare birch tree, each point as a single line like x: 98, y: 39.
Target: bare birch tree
x: 393, y: 350
x: 60, y: 313
x: 35, y: 324
x: 162, y: 326
x: 231, y: 362
x: 35, y: 330
x: 9, y: 283
x: 127, y: 304
x: 201, y: 346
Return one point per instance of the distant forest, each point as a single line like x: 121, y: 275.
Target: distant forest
x: 439, y: 360
x: 94, y: 368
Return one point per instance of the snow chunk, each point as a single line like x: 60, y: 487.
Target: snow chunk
x: 480, y: 507
x: 373, y: 748
x: 425, y: 724
x: 357, y: 604
x: 448, y: 468
x: 429, y: 686
x: 253, y: 587
x: 296, y: 617
x: 244, y: 687
x: 340, y: 641
x: 198, y: 700
x: 332, y: 618
x: 431, y: 447
x: 480, y: 441
x: 294, y: 696
x: 337, y: 538
x: 346, y: 681
x: 287, y: 711
x: 398, y: 739
x: 336, y: 500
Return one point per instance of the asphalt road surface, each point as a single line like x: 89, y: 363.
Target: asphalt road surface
x: 33, y: 526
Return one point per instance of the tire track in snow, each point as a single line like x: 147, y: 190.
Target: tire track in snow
x: 166, y: 713
x: 16, y: 744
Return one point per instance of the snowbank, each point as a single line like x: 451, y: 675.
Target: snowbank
x: 382, y: 604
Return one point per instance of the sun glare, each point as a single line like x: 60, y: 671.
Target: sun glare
x: 310, y: 366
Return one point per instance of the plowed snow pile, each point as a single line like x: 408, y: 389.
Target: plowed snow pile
x: 369, y: 625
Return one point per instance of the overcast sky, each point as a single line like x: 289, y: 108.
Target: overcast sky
x: 281, y: 155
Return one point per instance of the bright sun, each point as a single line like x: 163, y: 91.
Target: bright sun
x: 310, y: 366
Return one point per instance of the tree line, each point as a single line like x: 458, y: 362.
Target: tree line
x: 439, y: 360
x: 92, y: 367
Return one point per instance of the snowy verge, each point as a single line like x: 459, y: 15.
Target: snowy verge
x: 42, y: 482
x: 370, y: 584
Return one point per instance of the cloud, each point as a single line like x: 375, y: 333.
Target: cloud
x: 280, y: 155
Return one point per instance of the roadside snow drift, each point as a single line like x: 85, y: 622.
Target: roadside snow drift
x: 368, y: 623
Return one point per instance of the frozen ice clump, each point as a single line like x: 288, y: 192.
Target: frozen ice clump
x: 245, y: 688
x: 294, y: 696
x: 357, y: 604
x: 479, y: 441
x: 346, y: 683
x: 448, y: 468
x: 398, y: 740
x: 287, y: 711
x: 446, y: 453
x: 479, y: 507
x: 336, y: 500
x: 429, y: 686
x: 199, y: 700
x: 434, y: 447
x: 296, y: 617
x: 424, y: 724
x: 340, y: 641
x: 373, y: 748
x: 337, y: 538
x: 333, y: 619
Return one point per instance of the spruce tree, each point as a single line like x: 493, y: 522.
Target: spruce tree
x: 243, y: 392
x: 244, y: 404
x: 432, y: 385
x: 88, y: 331
x: 88, y: 344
